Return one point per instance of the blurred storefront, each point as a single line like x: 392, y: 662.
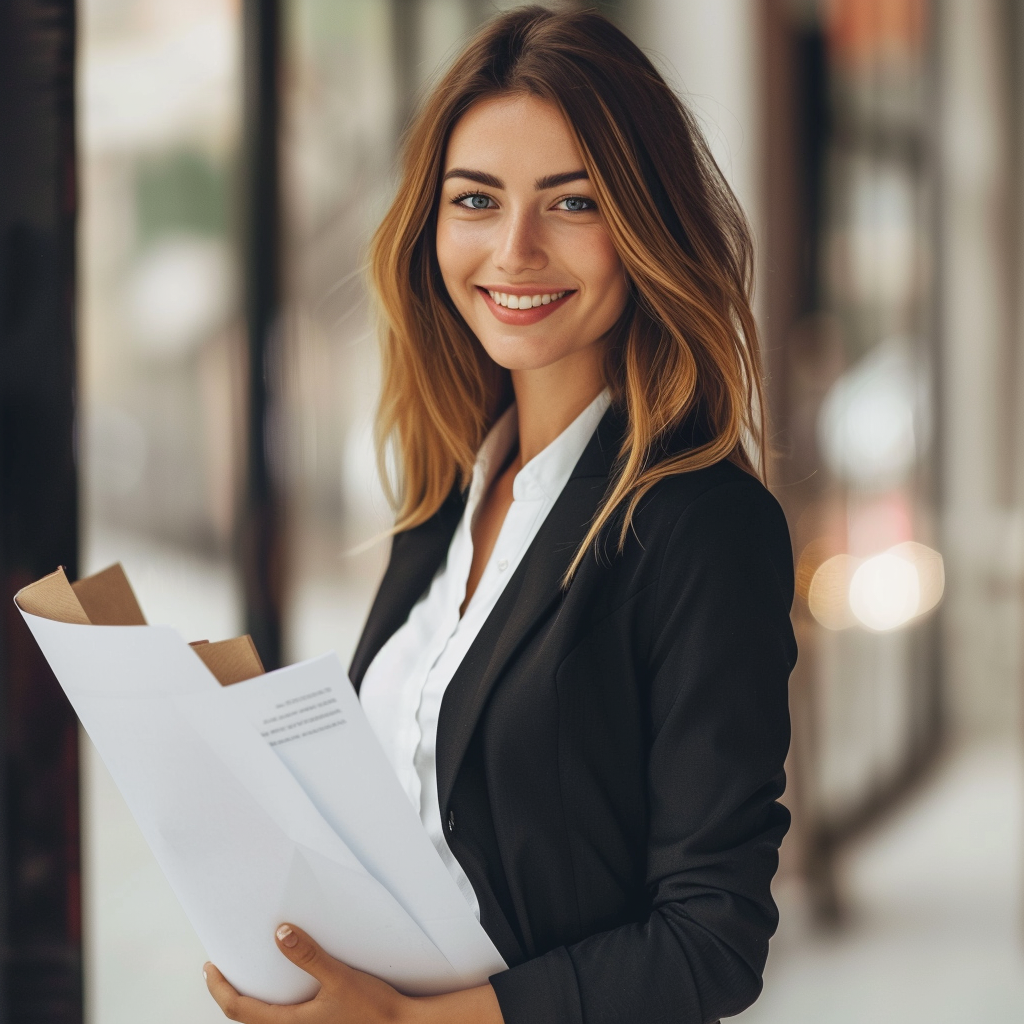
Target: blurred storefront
x: 161, y: 347
x: 891, y: 314
x: 161, y: 412
x: 851, y: 333
x: 892, y: 233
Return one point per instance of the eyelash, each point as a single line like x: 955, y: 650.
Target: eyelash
x: 460, y: 199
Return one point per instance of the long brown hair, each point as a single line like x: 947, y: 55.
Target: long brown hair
x: 686, y: 344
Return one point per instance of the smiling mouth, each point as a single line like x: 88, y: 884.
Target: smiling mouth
x: 528, y: 309
x: 507, y: 301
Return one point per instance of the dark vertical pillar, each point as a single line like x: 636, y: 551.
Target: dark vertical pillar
x: 40, y: 932
x: 261, y: 532
x: 794, y: 137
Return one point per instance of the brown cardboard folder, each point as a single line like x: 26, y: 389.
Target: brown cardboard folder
x: 107, y: 599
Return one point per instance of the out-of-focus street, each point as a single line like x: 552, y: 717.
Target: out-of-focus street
x: 188, y: 378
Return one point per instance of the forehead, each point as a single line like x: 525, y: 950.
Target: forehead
x: 511, y: 136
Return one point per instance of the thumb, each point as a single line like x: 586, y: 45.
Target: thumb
x: 304, y: 952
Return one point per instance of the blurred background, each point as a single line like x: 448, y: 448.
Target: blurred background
x: 188, y: 372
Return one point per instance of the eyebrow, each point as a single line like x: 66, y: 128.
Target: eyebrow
x: 554, y: 180
x: 478, y: 176
x: 548, y: 181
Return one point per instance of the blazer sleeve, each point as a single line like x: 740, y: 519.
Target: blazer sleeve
x: 719, y: 662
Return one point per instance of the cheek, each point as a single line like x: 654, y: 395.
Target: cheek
x: 601, y: 270
x: 604, y: 265
x: 458, y: 251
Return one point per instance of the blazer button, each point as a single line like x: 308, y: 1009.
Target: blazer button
x: 451, y: 821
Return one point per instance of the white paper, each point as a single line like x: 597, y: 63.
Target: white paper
x: 312, y: 718
x: 239, y: 839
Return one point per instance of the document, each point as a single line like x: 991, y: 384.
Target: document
x: 310, y: 716
x: 264, y: 801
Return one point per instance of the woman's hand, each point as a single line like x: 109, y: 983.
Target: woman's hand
x: 348, y: 996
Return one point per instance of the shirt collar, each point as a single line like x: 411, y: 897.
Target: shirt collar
x: 493, y: 454
x: 546, y: 473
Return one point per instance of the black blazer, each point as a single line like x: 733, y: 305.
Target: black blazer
x: 609, y: 757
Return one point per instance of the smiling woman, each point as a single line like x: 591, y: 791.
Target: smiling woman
x: 577, y: 661
x: 644, y: 184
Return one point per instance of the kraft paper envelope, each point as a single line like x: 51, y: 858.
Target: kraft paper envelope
x: 251, y: 831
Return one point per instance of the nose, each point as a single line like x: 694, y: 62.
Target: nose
x: 519, y: 247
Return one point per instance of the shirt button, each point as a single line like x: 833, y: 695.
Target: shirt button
x: 503, y: 565
x: 451, y: 821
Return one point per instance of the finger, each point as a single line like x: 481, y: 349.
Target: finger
x: 305, y: 953
x: 239, y: 1007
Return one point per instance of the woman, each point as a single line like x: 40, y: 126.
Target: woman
x: 578, y: 657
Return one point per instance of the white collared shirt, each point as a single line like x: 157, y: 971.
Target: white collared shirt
x: 404, y: 685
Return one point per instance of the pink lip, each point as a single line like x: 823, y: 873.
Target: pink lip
x: 522, y: 317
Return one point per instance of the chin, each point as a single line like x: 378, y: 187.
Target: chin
x: 520, y: 354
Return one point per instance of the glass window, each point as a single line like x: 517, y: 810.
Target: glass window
x: 160, y: 414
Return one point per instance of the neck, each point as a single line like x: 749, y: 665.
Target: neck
x: 550, y: 398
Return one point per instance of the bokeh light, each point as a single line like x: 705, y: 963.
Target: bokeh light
x: 829, y: 593
x: 881, y: 593
x: 867, y: 424
x: 931, y: 573
x: 885, y: 592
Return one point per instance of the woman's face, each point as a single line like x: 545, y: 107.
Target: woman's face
x: 523, y: 249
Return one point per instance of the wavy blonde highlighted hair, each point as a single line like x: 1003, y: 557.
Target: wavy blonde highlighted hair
x: 686, y: 344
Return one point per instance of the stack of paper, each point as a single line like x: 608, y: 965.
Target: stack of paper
x: 265, y: 800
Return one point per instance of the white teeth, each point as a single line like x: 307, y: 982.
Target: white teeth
x: 524, y: 301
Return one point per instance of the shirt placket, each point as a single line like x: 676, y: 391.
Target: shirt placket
x: 519, y: 521
x: 455, y: 579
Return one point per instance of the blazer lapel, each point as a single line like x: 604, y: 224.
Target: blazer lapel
x: 536, y: 583
x: 416, y: 555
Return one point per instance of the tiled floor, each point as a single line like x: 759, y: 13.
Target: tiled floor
x: 935, y: 929
x: 934, y: 935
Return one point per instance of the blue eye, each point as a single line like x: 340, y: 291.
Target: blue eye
x: 473, y: 201
x: 577, y: 204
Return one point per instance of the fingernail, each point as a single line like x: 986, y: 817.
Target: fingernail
x: 204, y: 971
x: 287, y: 936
